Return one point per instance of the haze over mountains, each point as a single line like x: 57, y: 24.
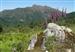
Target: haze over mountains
x: 32, y: 16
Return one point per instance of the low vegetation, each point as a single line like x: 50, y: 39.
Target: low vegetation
x: 18, y: 41
x: 19, y: 25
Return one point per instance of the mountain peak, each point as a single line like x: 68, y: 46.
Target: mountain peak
x: 28, y: 15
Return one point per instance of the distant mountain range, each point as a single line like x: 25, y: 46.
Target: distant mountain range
x: 32, y: 16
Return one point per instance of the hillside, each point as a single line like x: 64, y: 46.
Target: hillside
x: 69, y: 20
x: 32, y: 16
x: 35, y: 16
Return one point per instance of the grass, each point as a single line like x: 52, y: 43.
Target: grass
x: 11, y: 40
x: 16, y: 40
x: 73, y: 28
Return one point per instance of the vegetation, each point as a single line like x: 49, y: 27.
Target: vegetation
x: 31, y: 16
x: 16, y: 41
x: 19, y: 25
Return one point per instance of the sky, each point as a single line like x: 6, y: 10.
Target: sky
x: 69, y: 5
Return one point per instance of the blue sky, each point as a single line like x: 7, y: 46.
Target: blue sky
x: 58, y: 4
